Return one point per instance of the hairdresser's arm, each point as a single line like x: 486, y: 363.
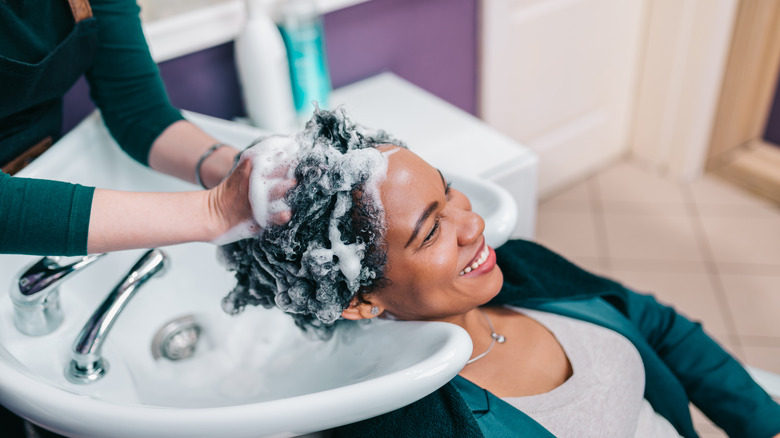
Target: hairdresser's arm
x: 177, y: 151
x: 126, y: 85
x: 125, y: 220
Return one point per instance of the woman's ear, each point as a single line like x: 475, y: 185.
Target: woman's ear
x: 360, y: 310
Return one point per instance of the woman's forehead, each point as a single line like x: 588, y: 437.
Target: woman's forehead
x: 405, y: 169
x: 401, y: 159
x: 410, y: 186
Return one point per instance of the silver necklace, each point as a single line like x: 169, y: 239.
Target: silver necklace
x: 495, y: 337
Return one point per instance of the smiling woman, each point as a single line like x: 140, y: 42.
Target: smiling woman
x: 557, y: 351
x: 432, y: 238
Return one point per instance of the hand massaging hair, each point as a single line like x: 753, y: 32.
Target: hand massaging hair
x: 332, y: 249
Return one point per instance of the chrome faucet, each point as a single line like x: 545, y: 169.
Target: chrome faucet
x: 36, y: 296
x: 88, y: 364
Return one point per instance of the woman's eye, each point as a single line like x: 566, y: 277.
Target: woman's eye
x: 433, y: 231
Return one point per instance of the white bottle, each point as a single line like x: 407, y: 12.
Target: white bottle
x: 261, y: 60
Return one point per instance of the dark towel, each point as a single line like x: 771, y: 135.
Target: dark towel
x: 442, y: 414
x: 537, y: 275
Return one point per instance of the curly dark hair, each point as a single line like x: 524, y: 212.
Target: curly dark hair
x: 333, y: 247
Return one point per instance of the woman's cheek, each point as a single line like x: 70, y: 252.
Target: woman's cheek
x: 443, y: 263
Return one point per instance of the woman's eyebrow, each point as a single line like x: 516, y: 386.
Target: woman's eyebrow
x: 428, y: 211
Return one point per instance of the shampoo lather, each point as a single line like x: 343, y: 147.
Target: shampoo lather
x: 262, y: 63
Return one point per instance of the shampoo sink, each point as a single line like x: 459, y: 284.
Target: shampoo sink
x: 251, y: 375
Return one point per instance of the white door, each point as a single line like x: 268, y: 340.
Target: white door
x: 559, y: 76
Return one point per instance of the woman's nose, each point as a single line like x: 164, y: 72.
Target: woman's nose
x: 458, y: 199
x: 470, y: 227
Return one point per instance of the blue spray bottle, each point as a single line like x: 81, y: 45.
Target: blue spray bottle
x: 302, y: 30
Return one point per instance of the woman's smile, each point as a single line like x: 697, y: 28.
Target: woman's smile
x: 483, y: 262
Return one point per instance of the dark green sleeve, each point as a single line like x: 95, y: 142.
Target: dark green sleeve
x: 125, y: 82
x: 42, y: 217
x: 714, y: 381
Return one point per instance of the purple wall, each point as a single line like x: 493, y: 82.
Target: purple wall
x: 431, y: 43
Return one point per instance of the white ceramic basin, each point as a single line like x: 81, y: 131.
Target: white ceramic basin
x: 252, y: 375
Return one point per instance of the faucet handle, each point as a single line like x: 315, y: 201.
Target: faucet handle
x: 49, y: 271
x: 36, y: 301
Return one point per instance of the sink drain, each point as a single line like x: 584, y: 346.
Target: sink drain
x: 176, y: 340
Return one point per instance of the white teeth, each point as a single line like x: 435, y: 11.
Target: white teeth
x: 480, y: 260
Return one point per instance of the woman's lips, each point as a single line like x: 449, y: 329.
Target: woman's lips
x: 476, y: 258
x: 484, y: 261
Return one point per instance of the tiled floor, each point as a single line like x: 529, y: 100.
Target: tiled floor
x: 708, y: 248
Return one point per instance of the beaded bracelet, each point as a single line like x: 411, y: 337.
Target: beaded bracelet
x: 202, y: 158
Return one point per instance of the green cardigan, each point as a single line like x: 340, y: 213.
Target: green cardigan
x: 52, y: 218
x: 682, y: 364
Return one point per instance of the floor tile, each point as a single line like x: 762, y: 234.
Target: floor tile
x: 691, y: 294
x: 763, y: 356
x: 645, y: 208
x: 747, y: 268
x: 626, y: 182
x: 712, y: 433
x: 641, y: 237
x: 744, y: 239
x: 683, y: 266
x: 572, y: 234
x: 716, y: 197
x: 577, y: 197
x: 754, y: 302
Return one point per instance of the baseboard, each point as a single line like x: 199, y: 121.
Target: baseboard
x: 755, y: 167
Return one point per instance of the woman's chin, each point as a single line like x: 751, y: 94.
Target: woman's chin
x: 491, y: 284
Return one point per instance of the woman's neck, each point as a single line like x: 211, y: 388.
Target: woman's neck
x: 475, y: 323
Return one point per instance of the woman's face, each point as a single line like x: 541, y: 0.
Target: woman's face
x: 438, y: 262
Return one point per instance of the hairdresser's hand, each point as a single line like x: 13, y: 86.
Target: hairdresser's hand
x: 228, y: 202
x: 283, y: 183
x: 231, y: 210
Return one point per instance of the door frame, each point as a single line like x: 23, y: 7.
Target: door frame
x: 738, y: 151
x: 686, y: 52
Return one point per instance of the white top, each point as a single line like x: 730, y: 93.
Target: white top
x: 604, y: 396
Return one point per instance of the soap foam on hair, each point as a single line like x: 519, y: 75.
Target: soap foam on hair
x: 273, y: 162
x: 269, y: 158
x: 332, y: 248
x: 350, y: 256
